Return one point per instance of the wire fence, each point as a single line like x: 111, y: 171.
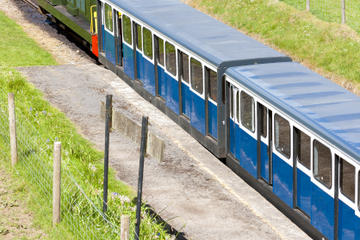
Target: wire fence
x: 79, y: 212
x: 338, y: 11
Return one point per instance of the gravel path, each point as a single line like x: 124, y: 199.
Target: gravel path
x: 190, y: 189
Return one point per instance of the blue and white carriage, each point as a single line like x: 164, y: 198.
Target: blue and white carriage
x: 289, y: 132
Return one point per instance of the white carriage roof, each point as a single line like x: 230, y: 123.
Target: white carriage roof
x: 321, y: 105
x: 210, y: 39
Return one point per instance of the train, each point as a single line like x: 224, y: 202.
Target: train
x: 292, y: 134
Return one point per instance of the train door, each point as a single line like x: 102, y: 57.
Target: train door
x: 127, y: 46
x: 146, y: 61
x: 184, y: 85
x: 160, y: 67
x: 171, y: 78
x: 138, y: 57
x: 94, y: 30
x: 234, y: 115
x: 211, y: 102
x: 347, y: 215
x: 302, y: 171
x: 109, y: 36
x: 118, y: 39
x: 100, y: 30
x: 282, y: 158
x: 197, y: 92
x: 264, y: 141
x: 246, y: 137
x: 322, y: 192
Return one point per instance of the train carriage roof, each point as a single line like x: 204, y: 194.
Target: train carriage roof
x: 198, y: 32
x: 321, y: 105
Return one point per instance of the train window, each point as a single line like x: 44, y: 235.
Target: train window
x: 231, y: 102
x: 108, y: 17
x: 237, y: 104
x: 282, y: 135
x: 322, y: 163
x: 223, y: 90
x: 303, y: 149
x: 247, y: 111
x: 212, y: 80
x: 196, y: 76
x: 184, y: 58
x: 263, y: 119
x: 305, y: 153
x: 138, y: 37
x: 160, y: 51
x: 147, y: 38
x: 127, y: 29
x: 359, y: 190
x: 82, y: 6
x: 170, y: 58
x: 347, y: 179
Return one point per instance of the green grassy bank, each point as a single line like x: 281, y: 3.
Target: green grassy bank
x: 329, y: 48
x: 38, y: 126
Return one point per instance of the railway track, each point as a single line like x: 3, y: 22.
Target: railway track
x: 33, y: 4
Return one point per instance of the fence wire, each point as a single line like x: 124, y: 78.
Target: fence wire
x: 331, y: 10
x: 352, y: 10
x: 79, y: 212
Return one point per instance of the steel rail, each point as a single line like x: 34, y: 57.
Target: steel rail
x: 32, y: 4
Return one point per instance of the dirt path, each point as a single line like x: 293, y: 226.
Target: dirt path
x: 15, y: 219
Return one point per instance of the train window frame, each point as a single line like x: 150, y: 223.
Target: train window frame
x: 160, y: 58
x: 231, y: 112
x: 193, y: 86
x: 244, y: 123
x: 212, y: 84
x: 303, y: 164
x: 315, y: 168
x: 138, y: 39
x: 172, y: 71
x: 181, y: 54
x: 276, y: 137
x: 341, y: 161
x: 82, y: 7
x: 124, y: 28
x: 264, y: 124
x: 106, y: 20
x: 152, y: 43
x: 237, y: 106
x: 357, y: 197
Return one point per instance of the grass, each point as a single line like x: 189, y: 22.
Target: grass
x: 330, y: 10
x: 329, y: 48
x: 38, y: 126
x: 17, y: 49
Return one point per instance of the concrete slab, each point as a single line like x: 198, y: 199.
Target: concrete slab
x: 126, y: 126
x: 190, y: 189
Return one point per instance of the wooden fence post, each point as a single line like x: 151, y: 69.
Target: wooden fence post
x: 125, y: 227
x: 108, y: 120
x: 307, y: 5
x: 12, y: 126
x: 343, y: 16
x: 143, y: 144
x: 56, y: 183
